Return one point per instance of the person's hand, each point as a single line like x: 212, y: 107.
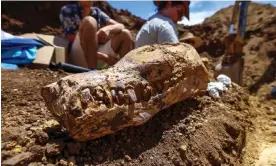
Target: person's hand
x: 110, y: 60
x: 102, y: 35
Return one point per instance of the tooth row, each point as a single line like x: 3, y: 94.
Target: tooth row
x: 118, y: 94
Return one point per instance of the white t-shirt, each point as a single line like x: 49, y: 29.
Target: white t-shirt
x: 158, y: 29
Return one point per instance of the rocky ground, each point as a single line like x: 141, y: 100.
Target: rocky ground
x: 197, y: 131
x: 237, y: 129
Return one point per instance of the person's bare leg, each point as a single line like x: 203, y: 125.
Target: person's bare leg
x: 88, y: 39
x: 122, y: 43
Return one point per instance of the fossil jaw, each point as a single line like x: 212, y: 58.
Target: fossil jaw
x: 144, y: 82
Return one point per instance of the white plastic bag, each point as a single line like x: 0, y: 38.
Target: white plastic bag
x: 224, y: 79
x: 214, y: 88
x: 215, y: 85
x: 213, y: 93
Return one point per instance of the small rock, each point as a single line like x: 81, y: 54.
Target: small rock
x: 73, y: 148
x: 122, y: 162
x: 273, y: 132
x: 19, y: 159
x: 187, y: 120
x: 179, y: 134
x: 234, y: 152
x: 198, y: 125
x: 27, y: 126
x: 183, y: 148
x: 51, y: 126
x: 54, y: 148
x: 13, y: 133
x: 44, y: 160
x: 63, y: 162
x: 270, y: 111
x: 36, y: 123
x: 151, y: 157
x: 7, y: 154
x: 72, y: 161
x: 127, y: 158
x: 17, y: 149
x: 182, y: 127
x: 41, y: 137
x: 37, y: 151
x: 10, y: 145
x: 35, y: 128
x: 71, y: 164
x: 29, y: 133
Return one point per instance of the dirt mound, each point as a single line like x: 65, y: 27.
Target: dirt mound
x: 43, y: 17
x: 259, y: 73
x: 200, y: 130
x: 260, y: 38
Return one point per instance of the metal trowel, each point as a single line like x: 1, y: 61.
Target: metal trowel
x: 232, y: 63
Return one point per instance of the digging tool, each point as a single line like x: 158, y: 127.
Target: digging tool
x: 69, y: 67
x: 232, y: 63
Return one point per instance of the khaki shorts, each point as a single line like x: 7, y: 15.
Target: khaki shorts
x: 76, y: 56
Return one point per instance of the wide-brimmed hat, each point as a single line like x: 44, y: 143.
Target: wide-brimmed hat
x: 189, y: 36
x: 186, y: 12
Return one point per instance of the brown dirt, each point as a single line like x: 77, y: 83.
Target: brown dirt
x: 237, y: 129
x: 259, y: 73
x: 199, y: 131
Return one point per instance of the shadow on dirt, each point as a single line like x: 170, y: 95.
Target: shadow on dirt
x: 268, y: 76
x: 130, y: 141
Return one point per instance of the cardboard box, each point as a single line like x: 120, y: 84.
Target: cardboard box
x: 55, y: 50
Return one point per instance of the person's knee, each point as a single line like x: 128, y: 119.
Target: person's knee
x: 88, y: 25
x: 126, y: 34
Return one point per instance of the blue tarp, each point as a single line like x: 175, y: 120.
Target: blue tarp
x: 18, y: 50
x: 9, y: 66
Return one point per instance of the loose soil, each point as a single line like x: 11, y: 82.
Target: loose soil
x: 199, y: 131
x: 237, y: 129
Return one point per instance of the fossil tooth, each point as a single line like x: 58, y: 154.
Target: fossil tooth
x: 126, y: 97
x: 109, y: 98
x: 132, y: 96
x: 121, y: 97
x: 114, y: 95
x: 86, y: 96
x: 99, y: 92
